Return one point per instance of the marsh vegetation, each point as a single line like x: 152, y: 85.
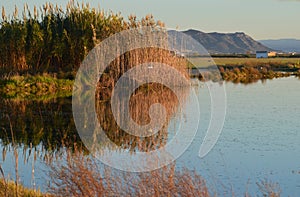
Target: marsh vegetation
x: 40, y: 53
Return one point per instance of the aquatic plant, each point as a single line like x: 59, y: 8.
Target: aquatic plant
x: 37, y: 87
x: 53, y: 39
x: 83, y: 176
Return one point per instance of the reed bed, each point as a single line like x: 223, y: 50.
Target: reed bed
x: 77, y: 174
x: 53, y: 39
x: 85, y: 176
x: 136, y: 57
x: 248, y: 75
x: 81, y: 176
x: 9, y: 188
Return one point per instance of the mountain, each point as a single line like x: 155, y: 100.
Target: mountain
x: 227, y: 43
x: 286, y: 45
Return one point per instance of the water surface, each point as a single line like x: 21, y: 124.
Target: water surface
x: 260, y: 139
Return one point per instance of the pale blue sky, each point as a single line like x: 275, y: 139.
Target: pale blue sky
x: 261, y: 19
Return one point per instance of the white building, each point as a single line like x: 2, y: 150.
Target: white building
x: 261, y: 54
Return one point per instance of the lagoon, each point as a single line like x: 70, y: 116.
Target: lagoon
x: 260, y: 139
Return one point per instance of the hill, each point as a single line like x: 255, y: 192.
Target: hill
x: 226, y: 43
x: 285, y: 45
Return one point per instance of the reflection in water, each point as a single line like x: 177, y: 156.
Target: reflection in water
x: 259, y: 121
x: 32, y: 123
x: 139, y: 106
x: 141, y: 100
x: 50, y: 123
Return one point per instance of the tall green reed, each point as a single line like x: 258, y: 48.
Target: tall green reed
x: 53, y: 39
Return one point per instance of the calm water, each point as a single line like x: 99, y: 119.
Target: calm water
x: 260, y: 139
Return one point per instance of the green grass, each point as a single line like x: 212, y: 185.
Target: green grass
x: 243, y: 61
x: 9, y: 188
x: 203, y: 62
x: 38, y: 87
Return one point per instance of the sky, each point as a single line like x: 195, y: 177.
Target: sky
x: 261, y: 19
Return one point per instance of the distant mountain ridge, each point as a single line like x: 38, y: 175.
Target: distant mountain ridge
x: 227, y: 43
x: 285, y: 45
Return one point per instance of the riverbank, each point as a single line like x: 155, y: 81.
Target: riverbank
x: 245, y: 75
x: 45, y: 87
x: 246, y: 70
x: 10, y: 188
x: 250, y: 61
x: 39, y: 87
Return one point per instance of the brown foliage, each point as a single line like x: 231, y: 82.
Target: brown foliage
x: 82, y: 176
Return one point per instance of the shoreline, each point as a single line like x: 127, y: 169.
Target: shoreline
x: 38, y: 87
x: 45, y: 87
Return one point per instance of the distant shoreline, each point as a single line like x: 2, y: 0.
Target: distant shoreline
x: 236, y: 70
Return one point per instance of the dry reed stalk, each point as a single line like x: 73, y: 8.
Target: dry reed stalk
x: 83, y: 176
x: 16, y: 157
x: 4, y: 181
